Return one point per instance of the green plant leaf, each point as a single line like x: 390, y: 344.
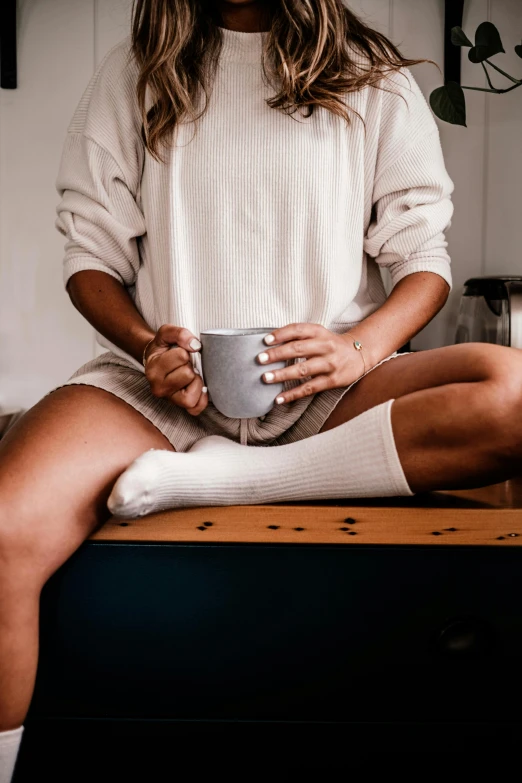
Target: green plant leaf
x: 459, y: 37
x: 487, y: 43
x: 448, y: 103
x: 518, y: 50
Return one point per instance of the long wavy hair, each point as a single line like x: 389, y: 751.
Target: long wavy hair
x: 312, y: 56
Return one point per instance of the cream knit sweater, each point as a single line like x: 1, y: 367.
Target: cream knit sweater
x: 259, y: 219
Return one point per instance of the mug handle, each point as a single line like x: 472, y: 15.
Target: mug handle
x: 197, y: 364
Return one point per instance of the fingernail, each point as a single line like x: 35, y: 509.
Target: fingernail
x: 279, y: 400
x: 195, y: 344
x: 204, y: 390
x: 197, y: 371
x: 263, y: 357
x: 269, y: 339
x: 268, y: 376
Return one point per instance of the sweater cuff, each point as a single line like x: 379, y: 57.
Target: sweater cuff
x: 81, y: 263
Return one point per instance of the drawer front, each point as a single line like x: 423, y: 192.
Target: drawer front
x: 260, y: 632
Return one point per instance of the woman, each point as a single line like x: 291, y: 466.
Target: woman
x: 235, y: 164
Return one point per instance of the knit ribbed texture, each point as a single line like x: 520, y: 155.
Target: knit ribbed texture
x: 9, y: 747
x: 358, y: 459
x: 258, y: 219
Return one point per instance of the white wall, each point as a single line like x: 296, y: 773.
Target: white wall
x: 43, y: 339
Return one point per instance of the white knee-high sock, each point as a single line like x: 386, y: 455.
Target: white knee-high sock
x: 356, y: 459
x: 9, y: 745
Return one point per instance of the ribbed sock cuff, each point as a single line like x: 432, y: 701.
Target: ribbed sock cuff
x: 9, y: 746
x: 391, y: 455
x: 11, y: 736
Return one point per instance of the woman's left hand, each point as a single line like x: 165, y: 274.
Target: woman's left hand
x: 331, y: 359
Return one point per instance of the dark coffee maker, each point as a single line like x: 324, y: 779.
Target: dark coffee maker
x: 490, y: 311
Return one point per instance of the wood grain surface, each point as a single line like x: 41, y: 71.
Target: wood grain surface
x: 487, y: 516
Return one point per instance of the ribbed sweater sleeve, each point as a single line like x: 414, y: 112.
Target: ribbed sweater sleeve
x: 412, y: 206
x: 98, y: 178
x: 97, y: 213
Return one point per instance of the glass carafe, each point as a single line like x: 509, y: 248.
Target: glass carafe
x: 490, y: 311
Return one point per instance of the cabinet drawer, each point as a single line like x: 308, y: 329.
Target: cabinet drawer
x: 276, y: 632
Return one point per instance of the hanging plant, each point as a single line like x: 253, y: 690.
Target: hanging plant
x: 448, y: 102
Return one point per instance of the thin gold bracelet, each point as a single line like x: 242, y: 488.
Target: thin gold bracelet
x: 143, y: 357
x: 358, y: 347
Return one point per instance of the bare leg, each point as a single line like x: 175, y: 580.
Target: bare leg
x: 457, y: 415
x: 57, y: 467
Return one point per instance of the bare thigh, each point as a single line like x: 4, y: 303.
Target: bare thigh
x: 58, y: 464
x: 412, y: 372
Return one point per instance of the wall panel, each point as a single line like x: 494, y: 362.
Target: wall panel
x: 375, y: 13
x: 503, y: 195
x: 43, y: 339
x: 112, y: 24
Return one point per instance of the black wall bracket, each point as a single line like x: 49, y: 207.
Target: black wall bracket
x: 8, y: 70
x: 453, y: 16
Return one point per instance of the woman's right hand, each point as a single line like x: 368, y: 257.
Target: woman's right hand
x: 169, y: 370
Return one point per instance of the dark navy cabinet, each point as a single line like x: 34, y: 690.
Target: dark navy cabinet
x: 379, y: 641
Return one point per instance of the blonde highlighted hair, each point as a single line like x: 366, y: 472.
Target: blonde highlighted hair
x: 312, y: 57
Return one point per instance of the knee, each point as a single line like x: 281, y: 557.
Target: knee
x: 502, y: 405
x: 497, y: 362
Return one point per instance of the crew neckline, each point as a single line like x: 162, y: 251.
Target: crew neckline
x: 239, y: 46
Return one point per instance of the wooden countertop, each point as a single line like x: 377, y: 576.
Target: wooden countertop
x: 488, y: 516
